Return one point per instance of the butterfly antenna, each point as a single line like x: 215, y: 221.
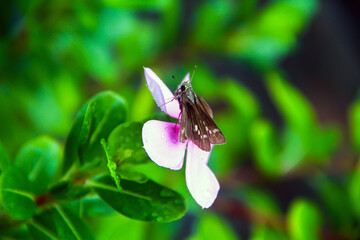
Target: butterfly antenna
x: 173, y: 77
x: 192, y: 76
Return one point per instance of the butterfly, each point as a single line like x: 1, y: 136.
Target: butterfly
x: 196, y: 122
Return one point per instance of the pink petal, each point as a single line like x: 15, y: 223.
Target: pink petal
x: 161, y: 143
x: 200, y: 180
x: 164, y: 98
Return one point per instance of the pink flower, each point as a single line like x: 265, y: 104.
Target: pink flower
x: 161, y: 142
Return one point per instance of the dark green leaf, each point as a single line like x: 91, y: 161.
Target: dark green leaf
x: 15, y: 233
x: 147, y: 201
x: 336, y: 203
x: 4, y: 159
x: 16, y: 194
x: 354, y: 120
x: 38, y: 232
x: 354, y: 190
x: 263, y: 233
x: 61, y: 223
x: 39, y: 160
x: 68, y: 191
x: 94, y: 121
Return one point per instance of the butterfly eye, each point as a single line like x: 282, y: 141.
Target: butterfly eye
x: 182, y: 88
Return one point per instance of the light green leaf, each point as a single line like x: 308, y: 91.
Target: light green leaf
x: 266, y: 147
x: 125, y: 144
x: 212, y: 226
x: 39, y: 159
x: 303, y: 221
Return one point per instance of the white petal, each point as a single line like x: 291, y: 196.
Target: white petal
x: 164, y: 98
x: 161, y: 143
x: 201, y: 181
x: 186, y: 79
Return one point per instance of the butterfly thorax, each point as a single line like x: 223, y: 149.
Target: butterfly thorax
x: 185, y: 93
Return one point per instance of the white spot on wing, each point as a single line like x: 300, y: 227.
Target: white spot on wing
x: 199, y: 132
x: 195, y: 128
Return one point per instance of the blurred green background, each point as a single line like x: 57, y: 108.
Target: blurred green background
x: 282, y: 77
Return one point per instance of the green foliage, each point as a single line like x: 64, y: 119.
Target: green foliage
x: 146, y: 201
x: 73, y: 102
x: 213, y: 227
x: 4, y: 159
x: 304, y: 215
x: 271, y: 33
x: 354, y: 118
x: 59, y: 223
x: 39, y: 160
x: 16, y: 197
x: 94, y: 121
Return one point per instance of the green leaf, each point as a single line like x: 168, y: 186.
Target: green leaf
x: 265, y: 147
x: 93, y: 206
x: 211, y: 23
x: 336, y: 203
x: 60, y: 223
x: 15, y: 233
x: 294, y: 107
x: 16, y: 194
x: 125, y: 150
x: 354, y: 120
x: 38, y: 232
x: 264, y: 233
x: 4, y: 159
x: 303, y: 221
x: 68, y: 191
x: 95, y: 121
x: 317, y: 143
x: 354, y: 190
x: 147, y: 201
x: 212, y: 226
x: 125, y: 144
x: 260, y: 202
x: 271, y: 33
x: 39, y: 160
